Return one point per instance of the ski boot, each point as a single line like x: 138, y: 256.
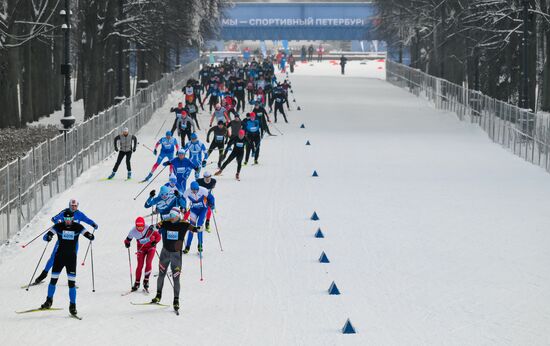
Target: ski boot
x: 157, y: 298
x: 237, y: 176
x: 255, y: 162
x: 41, y: 277
x: 218, y: 172
x: 199, y: 247
x: 135, y: 287
x: 147, y: 177
x: 186, y: 250
x: 72, y: 309
x: 176, y: 303
x: 245, y: 163
x: 129, y: 175
x: 47, y: 304
x: 111, y: 176
x: 207, y: 226
x: 146, y: 285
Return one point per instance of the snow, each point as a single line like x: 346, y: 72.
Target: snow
x: 77, y: 110
x: 435, y: 235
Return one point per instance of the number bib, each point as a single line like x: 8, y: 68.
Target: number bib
x: 239, y: 145
x: 219, y: 138
x: 172, y: 235
x: 68, y: 235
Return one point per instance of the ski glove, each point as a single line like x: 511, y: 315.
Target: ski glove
x: 203, y: 163
x: 89, y: 236
x: 95, y: 226
x: 127, y: 243
x: 152, y: 193
x: 153, y: 243
x: 48, y: 236
x: 167, y: 163
x: 176, y: 193
x: 155, y: 152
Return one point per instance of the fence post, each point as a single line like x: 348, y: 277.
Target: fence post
x: 8, y: 206
x: 19, y: 207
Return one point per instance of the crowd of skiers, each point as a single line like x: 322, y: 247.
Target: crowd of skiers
x: 238, y: 96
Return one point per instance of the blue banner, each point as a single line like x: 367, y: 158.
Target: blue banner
x: 273, y: 21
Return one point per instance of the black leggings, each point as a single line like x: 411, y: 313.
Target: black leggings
x: 121, y: 155
x: 238, y: 154
x: 279, y: 107
x: 240, y: 101
x: 217, y: 145
x: 194, y: 117
x: 183, y: 134
x: 254, y: 146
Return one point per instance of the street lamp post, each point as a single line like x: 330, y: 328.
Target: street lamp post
x: 67, y: 120
x: 120, y: 73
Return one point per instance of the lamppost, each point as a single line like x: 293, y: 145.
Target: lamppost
x: 524, y: 101
x: 67, y: 120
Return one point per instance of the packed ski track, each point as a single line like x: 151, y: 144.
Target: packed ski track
x: 434, y: 234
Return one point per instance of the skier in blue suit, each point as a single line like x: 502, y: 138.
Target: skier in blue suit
x: 197, y: 153
x: 182, y: 167
x: 200, y: 200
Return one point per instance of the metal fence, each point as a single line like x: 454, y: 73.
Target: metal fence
x: 524, y: 133
x: 29, y: 182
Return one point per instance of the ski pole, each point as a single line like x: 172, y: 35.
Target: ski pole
x: 87, y: 249
x: 169, y: 279
x: 146, y: 147
x: 160, y: 128
x: 35, y: 269
x: 200, y: 261
x: 276, y: 128
x: 216, y: 226
x: 92, y: 259
x: 130, y: 263
x: 24, y: 246
x: 146, y: 186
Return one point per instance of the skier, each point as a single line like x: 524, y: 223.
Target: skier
x: 310, y: 50
x: 236, y: 145
x: 128, y: 145
x: 182, y: 168
x: 220, y: 113
x: 291, y: 62
x: 197, y: 153
x: 172, y: 183
x: 146, y: 238
x: 208, y: 183
x: 79, y: 217
x: 165, y: 201
x: 263, y: 117
x: 65, y: 256
x: 279, y: 99
x: 172, y: 230
x: 220, y: 138
x: 180, y: 108
x: 343, y: 62
x: 184, y: 124
x: 252, y: 128
x: 168, y: 144
x: 239, y: 94
x: 214, y: 93
x: 234, y: 126
x: 200, y: 200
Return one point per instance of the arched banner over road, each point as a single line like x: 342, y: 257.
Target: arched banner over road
x: 300, y: 21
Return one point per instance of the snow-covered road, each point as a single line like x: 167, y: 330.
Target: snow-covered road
x: 435, y: 236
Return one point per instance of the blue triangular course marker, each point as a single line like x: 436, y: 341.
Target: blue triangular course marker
x: 307, y: 143
x: 323, y: 258
x: 333, y: 289
x: 348, y: 328
x: 303, y: 126
x: 319, y: 234
x: 315, y: 174
x: 314, y: 217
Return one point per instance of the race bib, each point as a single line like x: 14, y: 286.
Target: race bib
x: 219, y: 138
x: 239, y: 145
x: 172, y: 235
x: 144, y: 240
x: 191, y: 108
x: 180, y: 170
x: 197, y: 205
x: 68, y: 235
x: 184, y: 125
x: 253, y: 129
